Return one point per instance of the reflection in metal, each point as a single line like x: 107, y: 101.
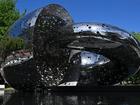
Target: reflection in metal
x: 118, y: 50
x: 24, y: 24
x: 18, y: 69
x: 50, y: 53
x: 57, y: 52
x: 90, y: 59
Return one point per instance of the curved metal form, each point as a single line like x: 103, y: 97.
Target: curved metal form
x: 121, y: 52
x: 57, y: 52
x: 18, y: 68
x: 50, y: 55
x: 96, y: 54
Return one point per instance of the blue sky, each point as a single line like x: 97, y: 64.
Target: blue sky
x: 122, y: 13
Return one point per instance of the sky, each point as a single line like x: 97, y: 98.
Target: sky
x: 122, y: 13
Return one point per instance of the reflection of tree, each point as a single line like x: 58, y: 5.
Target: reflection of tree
x: 8, y: 44
x: 134, y: 79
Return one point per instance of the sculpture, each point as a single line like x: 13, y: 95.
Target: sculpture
x: 59, y: 52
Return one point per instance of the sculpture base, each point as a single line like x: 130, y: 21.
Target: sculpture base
x: 72, y: 89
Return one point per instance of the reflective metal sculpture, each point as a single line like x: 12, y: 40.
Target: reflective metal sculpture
x: 57, y: 52
x: 117, y: 51
x: 50, y: 52
x: 18, y: 69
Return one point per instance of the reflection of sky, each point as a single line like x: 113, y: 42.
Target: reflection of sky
x: 24, y: 23
x: 102, y: 29
x: 88, y: 58
x: 122, y: 13
x: 16, y: 31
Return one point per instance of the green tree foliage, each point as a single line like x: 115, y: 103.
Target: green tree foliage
x: 8, y: 15
x: 136, y: 35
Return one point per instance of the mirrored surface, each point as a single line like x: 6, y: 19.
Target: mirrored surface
x: 18, y: 68
x: 47, y: 48
x: 50, y: 53
x: 118, y: 46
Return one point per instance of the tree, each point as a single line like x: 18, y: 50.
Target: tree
x: 136, y: 35
x: 8, y: 15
